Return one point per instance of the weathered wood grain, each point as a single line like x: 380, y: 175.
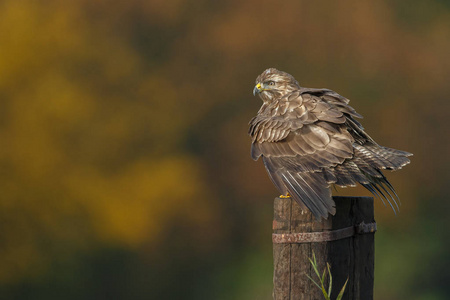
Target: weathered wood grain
x: 351, y: 258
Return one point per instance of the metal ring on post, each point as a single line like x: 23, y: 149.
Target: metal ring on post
x: 324, y: 236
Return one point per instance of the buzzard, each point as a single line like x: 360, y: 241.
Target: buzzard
x: 310, y: 139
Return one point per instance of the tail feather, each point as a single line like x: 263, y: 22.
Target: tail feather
x: 396, y: 158
x: 376, y: 186
x: 309, y: 185
x: 343, y: 176
x: 365, y: 168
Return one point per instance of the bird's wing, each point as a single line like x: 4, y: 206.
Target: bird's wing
x: 369, y: 158
x: 298, y: 136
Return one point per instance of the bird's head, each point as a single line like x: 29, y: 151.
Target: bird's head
x: 274, y: 83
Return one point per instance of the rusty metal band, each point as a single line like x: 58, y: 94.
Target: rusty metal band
x: 324, y: 236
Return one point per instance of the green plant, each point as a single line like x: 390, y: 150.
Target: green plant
x: 322, y: 278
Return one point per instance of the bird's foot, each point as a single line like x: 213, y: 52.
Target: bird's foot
x: 283, y: 196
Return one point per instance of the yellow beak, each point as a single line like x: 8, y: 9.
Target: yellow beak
x: 257, y: 89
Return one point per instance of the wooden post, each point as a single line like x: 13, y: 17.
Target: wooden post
x: 350, y: 251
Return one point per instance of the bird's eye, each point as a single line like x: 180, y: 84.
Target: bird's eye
x: 271, y: 82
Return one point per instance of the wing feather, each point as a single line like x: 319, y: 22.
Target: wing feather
x: 310, y: 139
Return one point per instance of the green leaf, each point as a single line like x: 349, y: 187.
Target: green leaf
x: 325, y: 293
x: 339, y: 297
x: 314, y: 265
x: 313, y: 281
x: 331, y: 280
x: 322, y: 281
x: 323, y: 276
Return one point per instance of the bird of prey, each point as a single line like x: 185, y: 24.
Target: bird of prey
x: 309, y: 139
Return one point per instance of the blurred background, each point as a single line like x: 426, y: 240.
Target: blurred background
x: 125, y: 169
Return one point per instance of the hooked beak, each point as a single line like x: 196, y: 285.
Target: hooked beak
x: 257, y: 89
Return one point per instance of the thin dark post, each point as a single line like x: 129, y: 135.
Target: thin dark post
x: 345, y: 241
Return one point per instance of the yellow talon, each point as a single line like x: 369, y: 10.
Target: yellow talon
x: 283, y: 196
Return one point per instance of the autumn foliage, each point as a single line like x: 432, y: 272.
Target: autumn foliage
x: 125, y: 164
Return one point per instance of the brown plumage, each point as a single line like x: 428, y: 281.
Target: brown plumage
x: 309, y: 139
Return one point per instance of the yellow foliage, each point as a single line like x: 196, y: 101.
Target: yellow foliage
x: 136, y: 204
x: 120, y: 120
x: 67, y: 178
